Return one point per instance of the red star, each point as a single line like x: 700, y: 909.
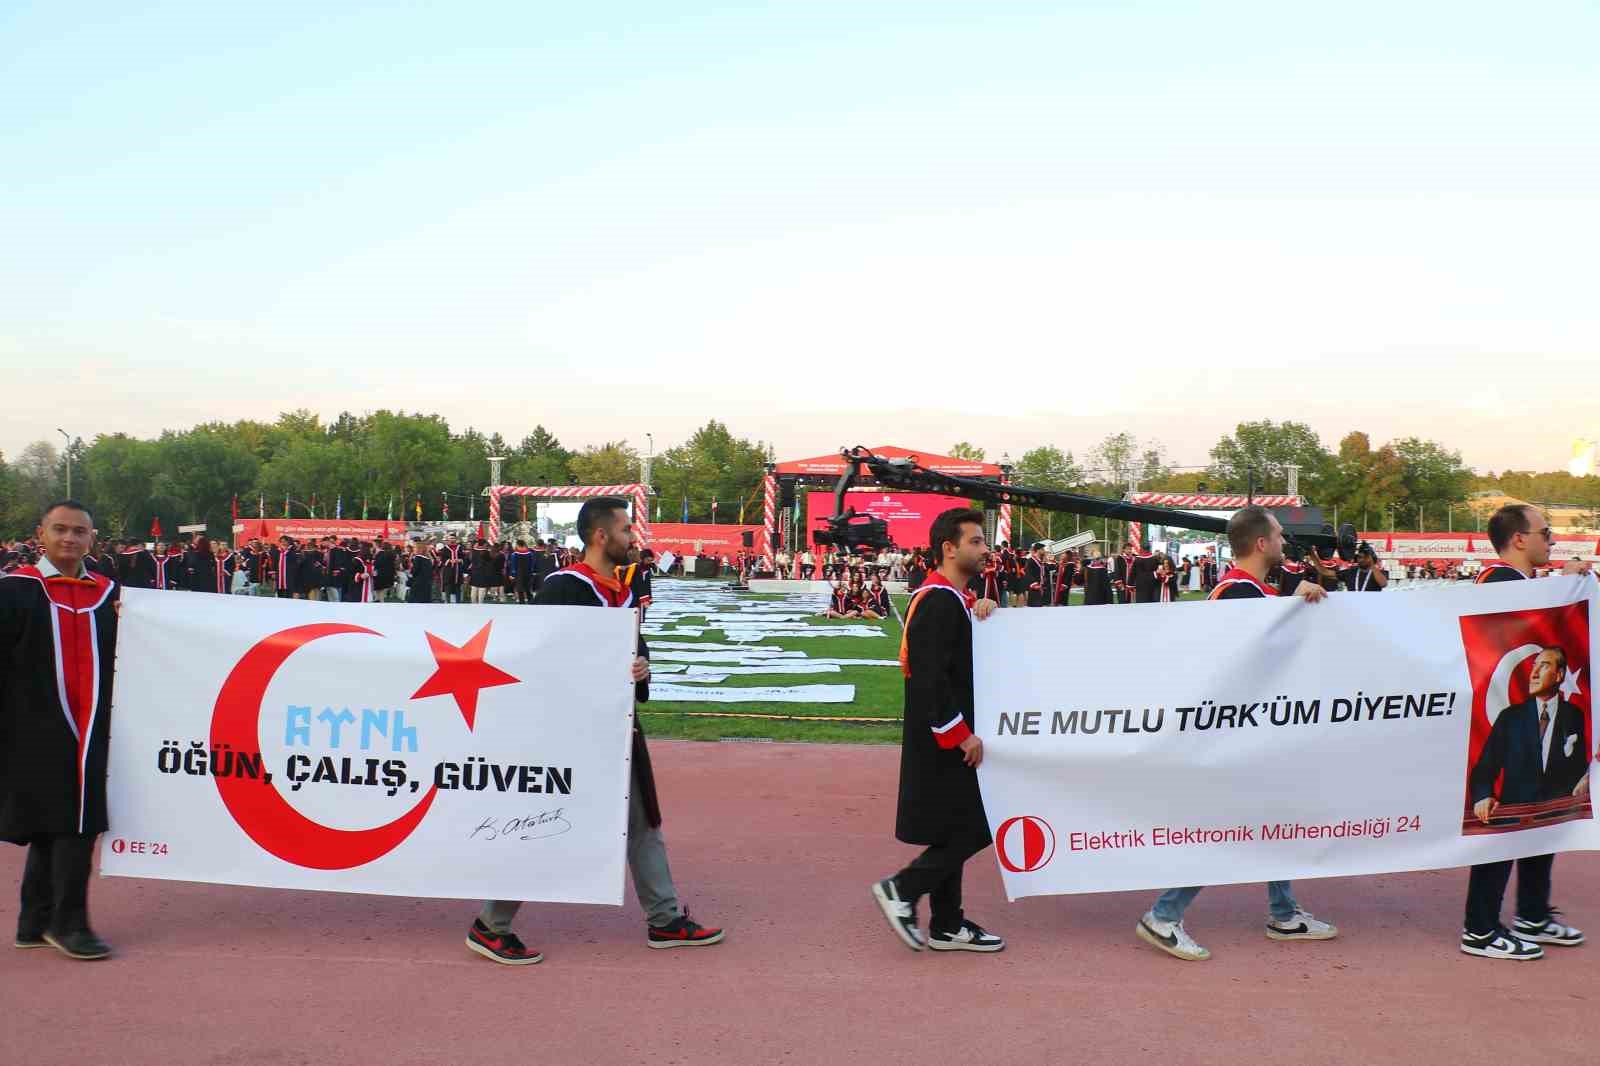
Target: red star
x: 462, y: 672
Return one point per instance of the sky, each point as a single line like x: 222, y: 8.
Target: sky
x: 822, y: 223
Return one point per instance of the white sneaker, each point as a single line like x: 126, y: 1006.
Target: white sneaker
x: 1170, y: 937
x: 1550, y: 931
x: 970, y: 937
x: 1301, y: 926
x: 902, y: 916
x: 1500, y: 944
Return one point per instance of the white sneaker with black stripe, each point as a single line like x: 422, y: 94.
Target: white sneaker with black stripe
x: 1549, y: 931
x: 1301, y: 926
x: 970, y: 937
x: 902, y: 916
x: 1170, y: 937
x: 1500, y: 944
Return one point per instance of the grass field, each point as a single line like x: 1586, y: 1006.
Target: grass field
x: 878, y: 689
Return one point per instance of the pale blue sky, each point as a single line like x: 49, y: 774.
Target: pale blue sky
x: 1166, y: 217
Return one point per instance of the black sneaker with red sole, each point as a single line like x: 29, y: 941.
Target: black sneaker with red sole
x: 683, y: 932
x: 505, y: 948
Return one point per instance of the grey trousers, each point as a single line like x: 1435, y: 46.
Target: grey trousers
x: 647, y: 862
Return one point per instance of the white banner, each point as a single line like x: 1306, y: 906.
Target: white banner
x: 429, y: 750
x: 1159, y: 745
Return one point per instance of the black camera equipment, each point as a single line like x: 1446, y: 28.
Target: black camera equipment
x: 1303, y: 527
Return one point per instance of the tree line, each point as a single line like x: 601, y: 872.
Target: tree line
x: 391, y: 464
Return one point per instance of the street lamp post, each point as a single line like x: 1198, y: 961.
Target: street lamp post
x: 68, y: 454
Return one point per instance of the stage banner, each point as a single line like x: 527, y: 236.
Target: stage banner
x: 426, y: 750
x: 1158, y: 745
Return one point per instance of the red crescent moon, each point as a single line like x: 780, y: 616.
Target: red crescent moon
x: 260, y: 809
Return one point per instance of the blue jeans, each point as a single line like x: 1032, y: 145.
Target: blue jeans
x: 1174, y: 901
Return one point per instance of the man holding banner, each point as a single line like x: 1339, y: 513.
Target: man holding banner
x: 607, y: 535
x: 1538, y: 755
x: 58, y: 636
x: 940, y: 805
x: 1257, y: 542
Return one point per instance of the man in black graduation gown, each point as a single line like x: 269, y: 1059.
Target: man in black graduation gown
x: 419, y: 586
x: 1121, y: 572
x: 1034, y: 577
x: 608, y: 539
x: 55, y: 716
x: 136, y: 567
x: 1521, y: 539
x: 311, y: 572
x: 286, y: 569
x: 451, y: 562
x: 1096, y: 583
x: 385, y: 570
x: 940, y: 806
x: 1146, y: 586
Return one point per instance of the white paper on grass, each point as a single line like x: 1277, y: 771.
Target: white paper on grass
x: 720, y: 657
x: 795, y: 694
x: 763, y: 668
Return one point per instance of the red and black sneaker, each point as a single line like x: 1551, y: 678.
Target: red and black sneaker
x: 683, y: 932
x: 504, y: 948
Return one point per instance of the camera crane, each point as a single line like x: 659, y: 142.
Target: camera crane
x: 849, y: 530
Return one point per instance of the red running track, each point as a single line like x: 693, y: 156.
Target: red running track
x: 779, y: 843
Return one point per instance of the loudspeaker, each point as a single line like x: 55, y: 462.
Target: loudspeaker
x: 785, y: 492
x: 748, y: 538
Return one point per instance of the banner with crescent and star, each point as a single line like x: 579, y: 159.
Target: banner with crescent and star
x: 426, y: 750
x: 1258, y: 740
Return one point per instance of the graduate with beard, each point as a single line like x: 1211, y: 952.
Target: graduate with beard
x: 940, y: 806
x: 58, y: 637
x: 608, y: 538
x: 1066, y: 577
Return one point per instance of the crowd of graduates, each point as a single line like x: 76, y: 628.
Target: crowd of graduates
x: 332, y: 569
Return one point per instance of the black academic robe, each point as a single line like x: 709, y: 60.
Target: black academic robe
x: 573, y: 588
x: 482, y: 575
x: 341, y: 563
x: 198, y: 575
x: 420, y: 587
x: 1066, y: 577
x: 1122, y: 578
x: 286, y: 565
x: 48, y: 783
x: 1146, y: 585
x: 451, y: 562
x: 310, y: 571
x: 1096, y: 584
x: 939, y: 797
x: 384, y: 570
x: 136, y: 569
x: 1034, y: 581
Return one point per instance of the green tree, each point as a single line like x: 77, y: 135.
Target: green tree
x: 123, y: 471
x: 1266, y: 449
x: 204, y: 471
x: 612, y: 463
x: 711, y: 464
x: 538, y: 460
x: 966, y: 450
x: 1046, y: 467
x: 1116, y: 459
x: 1432, y: 474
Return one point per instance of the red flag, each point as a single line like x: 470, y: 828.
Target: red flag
x: 155, y: 528
x: 483, y: 533
x: 1501, y: 650
x: 1388, y: 544
x: 1470, y: 546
